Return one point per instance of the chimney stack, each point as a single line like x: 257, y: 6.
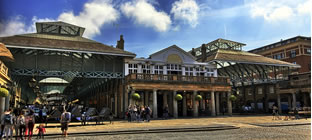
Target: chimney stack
x: 120, y: 43
x: 193, y: 52
x: 204, y: 53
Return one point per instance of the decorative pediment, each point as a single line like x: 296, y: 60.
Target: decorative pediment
x: 173, y: 54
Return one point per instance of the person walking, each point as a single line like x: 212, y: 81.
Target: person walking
x: 7, y: 124
x: 44, y: 115
x: 148, y: 113
x: 65, y: 119
x: 30, y: 121
x: 166, y: 112
x: 41, y: 130
x: 22, y: 125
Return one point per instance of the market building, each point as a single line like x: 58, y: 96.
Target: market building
x: 171, y: 71
x: 294, y: 87
x: 253, y: 76
x: 5, y: 81
x: 57, y: 66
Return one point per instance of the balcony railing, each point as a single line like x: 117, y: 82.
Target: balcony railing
x: 176, y: 78
x: 300, y: 83
x: 295, y: 83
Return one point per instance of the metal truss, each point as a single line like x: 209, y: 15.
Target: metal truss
x: 68, y: 75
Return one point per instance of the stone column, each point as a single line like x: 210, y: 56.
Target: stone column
x: 204, y: 102
x: 146, y: 98
x: 170, y: 104
x: 213, y: 107
x: 294, y: 100
x: 289, y: 102
x: 155, y: 112
x: 184, y: 105
x: 130, y: 98
x: 126, y: 100
x: 279, y: 103
x: 126, y: 69
x: 195, y: 107
x: 2, y: 104
x: 229, y: 104
x: 175, y: 105
x: 165, y: 94
x: 201, y: 102
x: 217, y: 104
x: 305, y: 102
x: 7, y: 102
x: 183, y: 70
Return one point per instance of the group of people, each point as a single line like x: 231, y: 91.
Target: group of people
x: 22, y: 122
x: 138, y: 113
x: 276, y: 115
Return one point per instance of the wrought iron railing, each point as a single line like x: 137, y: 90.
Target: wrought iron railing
x: 176, y: 78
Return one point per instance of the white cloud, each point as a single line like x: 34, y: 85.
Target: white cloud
x: 305, y: 8
x: 277, y: 10
x: 13, y: 26
x: 93, y: 16
x: 145, y: 14
x: 186, y: 10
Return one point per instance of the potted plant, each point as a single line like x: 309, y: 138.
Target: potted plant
x: 178, y: 97
x: 4, y: 92
x: 233, y: 98
x: 198, y: 97
x: 135, y: 96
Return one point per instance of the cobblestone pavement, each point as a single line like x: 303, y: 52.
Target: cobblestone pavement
x: 300, y: 132
x: 238, y: 121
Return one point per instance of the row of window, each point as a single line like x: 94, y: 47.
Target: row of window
x: 260, y: 91
x: 171, y: 69
x: 292, y: 54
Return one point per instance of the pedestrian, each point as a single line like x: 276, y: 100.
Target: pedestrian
x: 296, y: 113
x: 111, y: 117
x: 128, y: 113
x: 44, y: 115
x: 275, y: 112
x: 22, y: 125
x: 142, y: 113
x: 165, y: 112
x: 83, y: 118
x: 7, y: 124
x: 30, y: 121
x: 65, y: 119
x: 15, y: 124
x: 148, y: 113
x: 41, y: 130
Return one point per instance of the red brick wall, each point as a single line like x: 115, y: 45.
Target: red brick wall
x: 304, y: 61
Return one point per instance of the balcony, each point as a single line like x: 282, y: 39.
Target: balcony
x: 294, y: 83
x: 140, y: 77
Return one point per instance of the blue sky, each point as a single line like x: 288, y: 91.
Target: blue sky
x: 151, y: 25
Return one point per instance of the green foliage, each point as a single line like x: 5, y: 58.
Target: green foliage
x: 4, y: 92
x: 135, y: 96
x: 233, y: 98
x: 198, y: 97
x: 178, y: 97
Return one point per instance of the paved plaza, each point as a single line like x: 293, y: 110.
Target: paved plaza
x: 236, y: 127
